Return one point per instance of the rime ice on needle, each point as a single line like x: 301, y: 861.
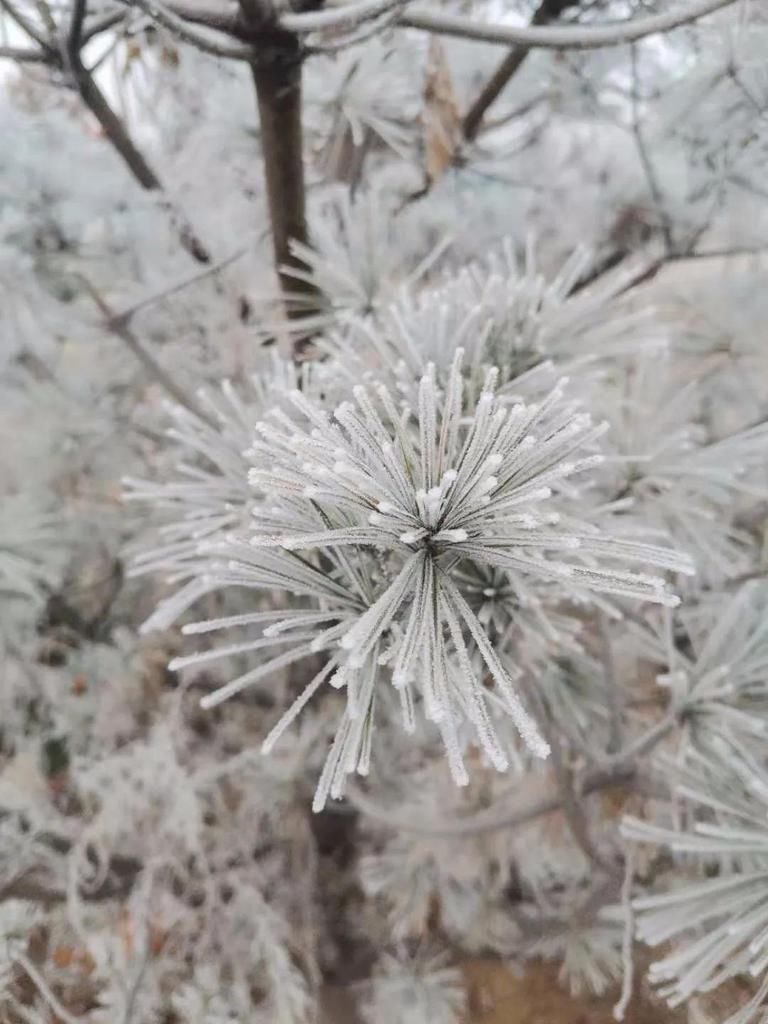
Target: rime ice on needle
x: 718, y: 923
x: 208, y: 496
x: 502, y: 315
x: 416, y: 496
x: 718, y: 679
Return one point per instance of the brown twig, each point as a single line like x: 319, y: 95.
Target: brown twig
x: 548, y: 10
x: 116, y: 132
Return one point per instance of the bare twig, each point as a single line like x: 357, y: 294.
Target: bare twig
x: 547, y: 11
x: 341, y: 18
x: 585, y: 37
x: 225, y: 18
x: 644, y: 743
x: 26, y: 25
x: 127, y: 315
x: 23, y: 55
x: 101, y: 23
x: 665, y: 222
x: 116, y: 132
x: 136, y: 983
x: 114, y: 323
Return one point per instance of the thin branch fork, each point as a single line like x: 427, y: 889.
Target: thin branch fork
x: 351, y: 15
x: 124, y: 318
x: 27, y: 26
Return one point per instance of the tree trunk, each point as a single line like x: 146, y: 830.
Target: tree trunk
x: 277, y: 77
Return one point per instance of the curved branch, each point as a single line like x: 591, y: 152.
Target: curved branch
x: 567, y: 37
x: 348, y: 16
x: 178, y: 25
x: 343, y: 17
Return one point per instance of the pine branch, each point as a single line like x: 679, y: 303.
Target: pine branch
x: 74, y: 35
x: 127, y: 315
x: 646, y: 163
x: 101, y: 23
x: 619, y: 771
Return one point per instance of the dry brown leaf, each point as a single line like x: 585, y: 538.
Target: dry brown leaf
x: 75, y: 958
x: 441, y: 115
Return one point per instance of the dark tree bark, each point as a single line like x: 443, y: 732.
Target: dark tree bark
x: 277, y: 71
x: 277, y: 78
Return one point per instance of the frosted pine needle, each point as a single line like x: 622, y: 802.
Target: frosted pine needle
x: 718, y: 924
x: 377, y: 511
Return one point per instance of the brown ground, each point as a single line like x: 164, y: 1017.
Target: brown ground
x: 498, y: 996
